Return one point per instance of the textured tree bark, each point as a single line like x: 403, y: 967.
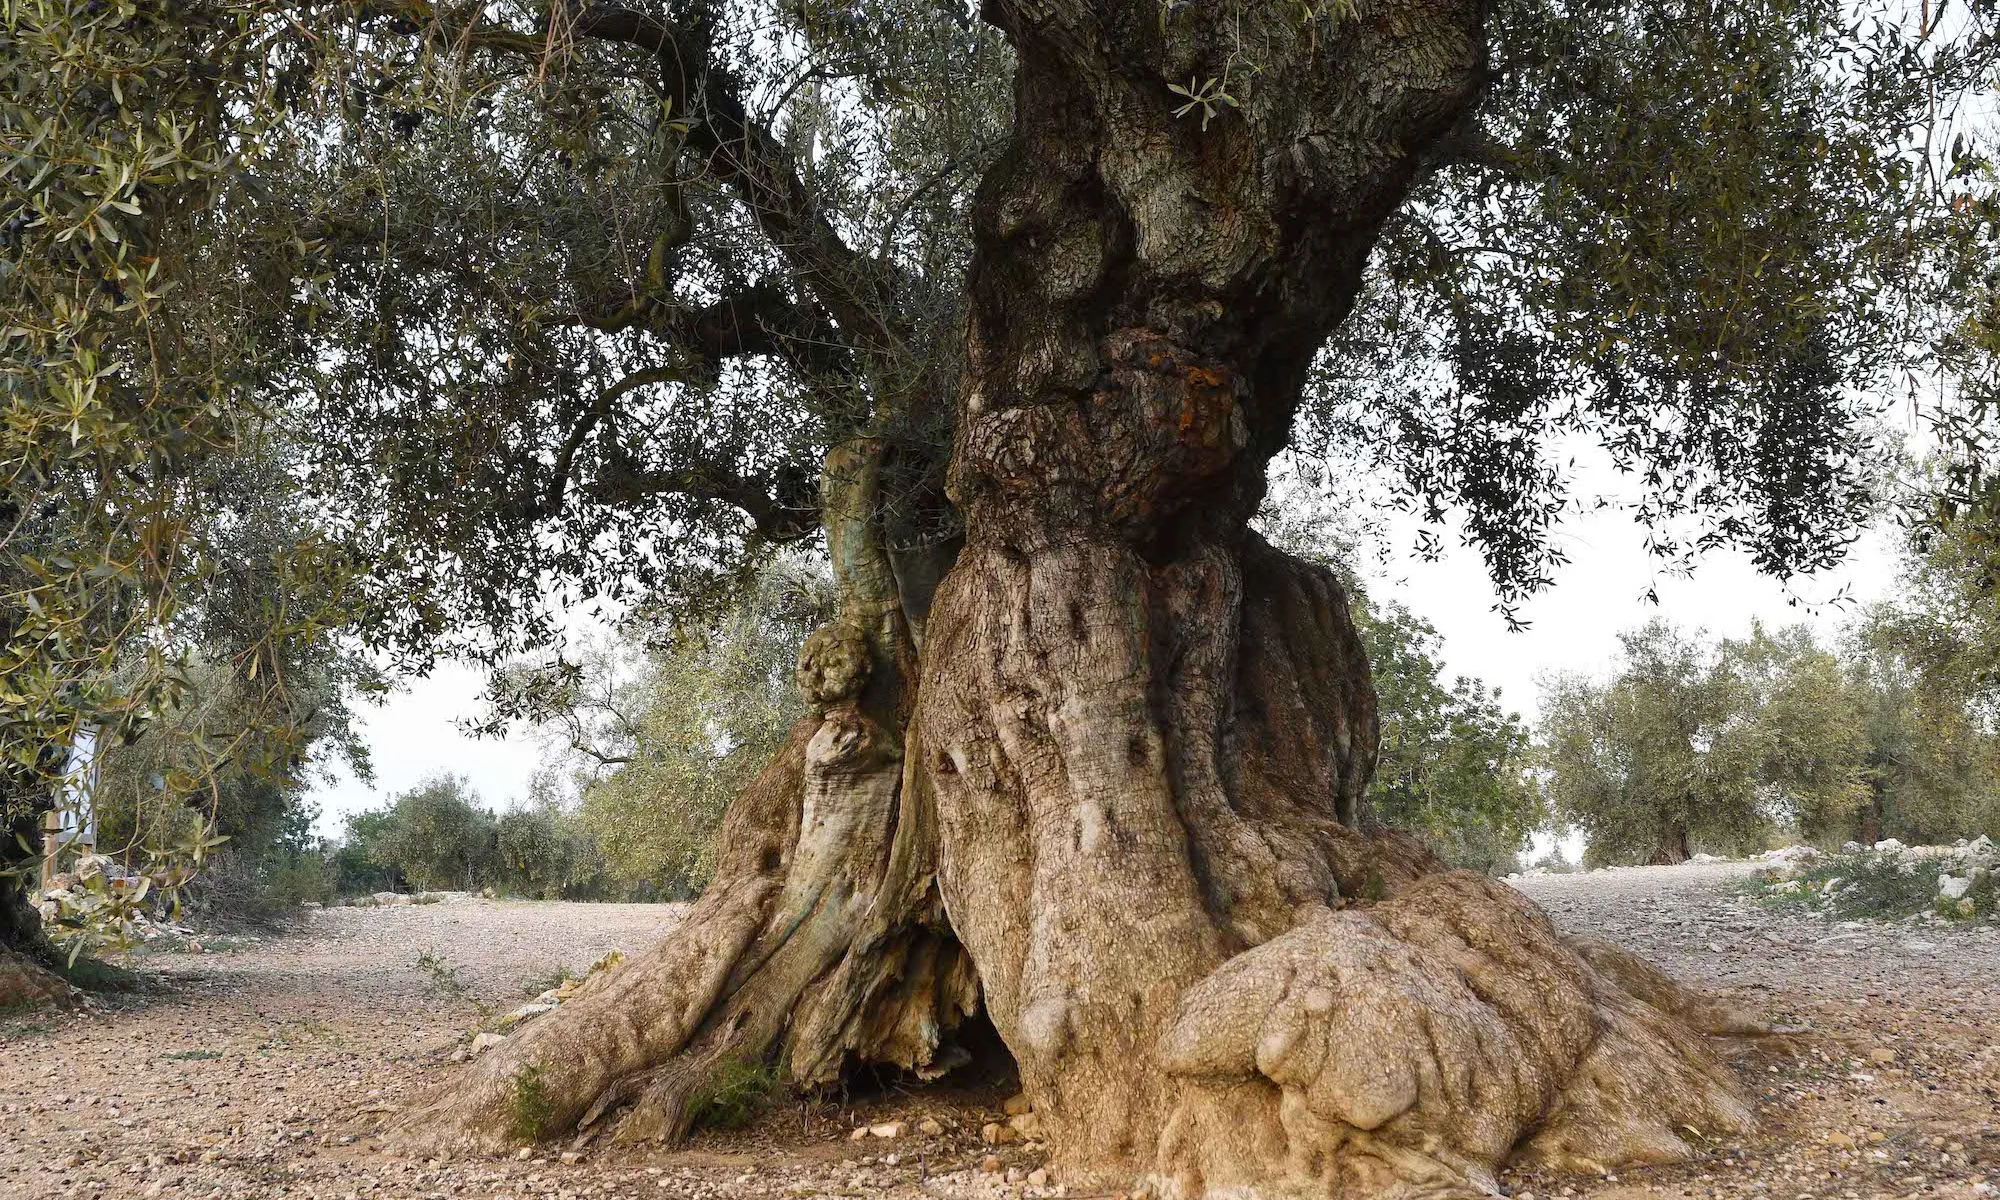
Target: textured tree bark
x: 1673, y: 847
x: 1872, y: 812
x: 1130, y: 789
x: 20, y: 926
x: 25, y: 954
x: 1147, y: 732
x: 821, y: 939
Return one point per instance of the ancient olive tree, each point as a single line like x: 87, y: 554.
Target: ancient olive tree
x: 1102, y: 782
x: 1013, y: 311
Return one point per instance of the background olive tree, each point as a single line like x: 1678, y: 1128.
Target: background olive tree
x: 1728, y: 746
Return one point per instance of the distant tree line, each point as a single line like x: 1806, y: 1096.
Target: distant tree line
x: 1694, y: 744
x: 439, y: 836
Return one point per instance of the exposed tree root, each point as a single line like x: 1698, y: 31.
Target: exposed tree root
x: 1415, y: 1046
x: 25, y: 983
x: 820, y: 940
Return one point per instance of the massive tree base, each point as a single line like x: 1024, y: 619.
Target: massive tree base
x: 1143, y: 832
x: 1408, y: 1045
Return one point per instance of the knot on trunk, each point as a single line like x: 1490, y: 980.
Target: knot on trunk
x: 1158, y: 428
x: 834, y: 663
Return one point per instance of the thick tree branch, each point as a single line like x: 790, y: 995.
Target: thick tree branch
x: 779, y: 508
x: 551, y: 500
x: 856, y: 290
x: 782, y: 509
x: 759, y: 319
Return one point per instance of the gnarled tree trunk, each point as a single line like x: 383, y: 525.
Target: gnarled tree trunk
x: 820, y: 941
x: 1130, y: 795
x: 25, y: 954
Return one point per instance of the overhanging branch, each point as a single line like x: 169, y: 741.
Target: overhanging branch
x: 759, y: 319
x: 856, y: 290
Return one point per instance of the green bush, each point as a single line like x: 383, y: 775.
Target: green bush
x: 543, y: 852
x: 1454, y: 763
x: 360, y: 865
x: 529, y: 1108
x: 1884, y: 884
x: 440, y: 837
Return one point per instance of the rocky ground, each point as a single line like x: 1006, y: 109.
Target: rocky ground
x: 261, y: 1069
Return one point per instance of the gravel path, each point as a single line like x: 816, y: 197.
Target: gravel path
x: 262, y: 1069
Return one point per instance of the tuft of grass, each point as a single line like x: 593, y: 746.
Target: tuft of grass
x: 529, y: 1109
x: 739, y: 1088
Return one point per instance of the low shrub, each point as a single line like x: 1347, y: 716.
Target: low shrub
x: 529, y: 1108
x: 1892, y: 883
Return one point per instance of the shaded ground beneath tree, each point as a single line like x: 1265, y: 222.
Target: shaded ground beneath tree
x: 260, y: 1069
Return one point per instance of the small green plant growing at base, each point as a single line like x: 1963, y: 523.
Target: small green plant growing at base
x: 735, y: 1092
x: 530, y: 1110
x: 443, y: 976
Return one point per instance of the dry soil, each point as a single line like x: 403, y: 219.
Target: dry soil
x: 262, y: 1068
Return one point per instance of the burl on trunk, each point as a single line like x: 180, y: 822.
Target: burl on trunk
x: 1125, y: 812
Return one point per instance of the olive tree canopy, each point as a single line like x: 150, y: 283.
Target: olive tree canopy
x: 1013, y: 310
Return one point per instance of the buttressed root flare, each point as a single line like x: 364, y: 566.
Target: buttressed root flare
x: 1424, y: 1042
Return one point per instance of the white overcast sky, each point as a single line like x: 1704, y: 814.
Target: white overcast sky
x: 1572, y: 627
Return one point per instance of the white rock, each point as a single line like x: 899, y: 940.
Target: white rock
x: 1954, y: 887
x: 1789, y: 854
x: 889, y: 1129
x: 481, y: 1043
x: 1889, y: 846
x: 525, y: 1011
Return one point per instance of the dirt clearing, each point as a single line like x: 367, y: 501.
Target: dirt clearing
x: 261, y: 1068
